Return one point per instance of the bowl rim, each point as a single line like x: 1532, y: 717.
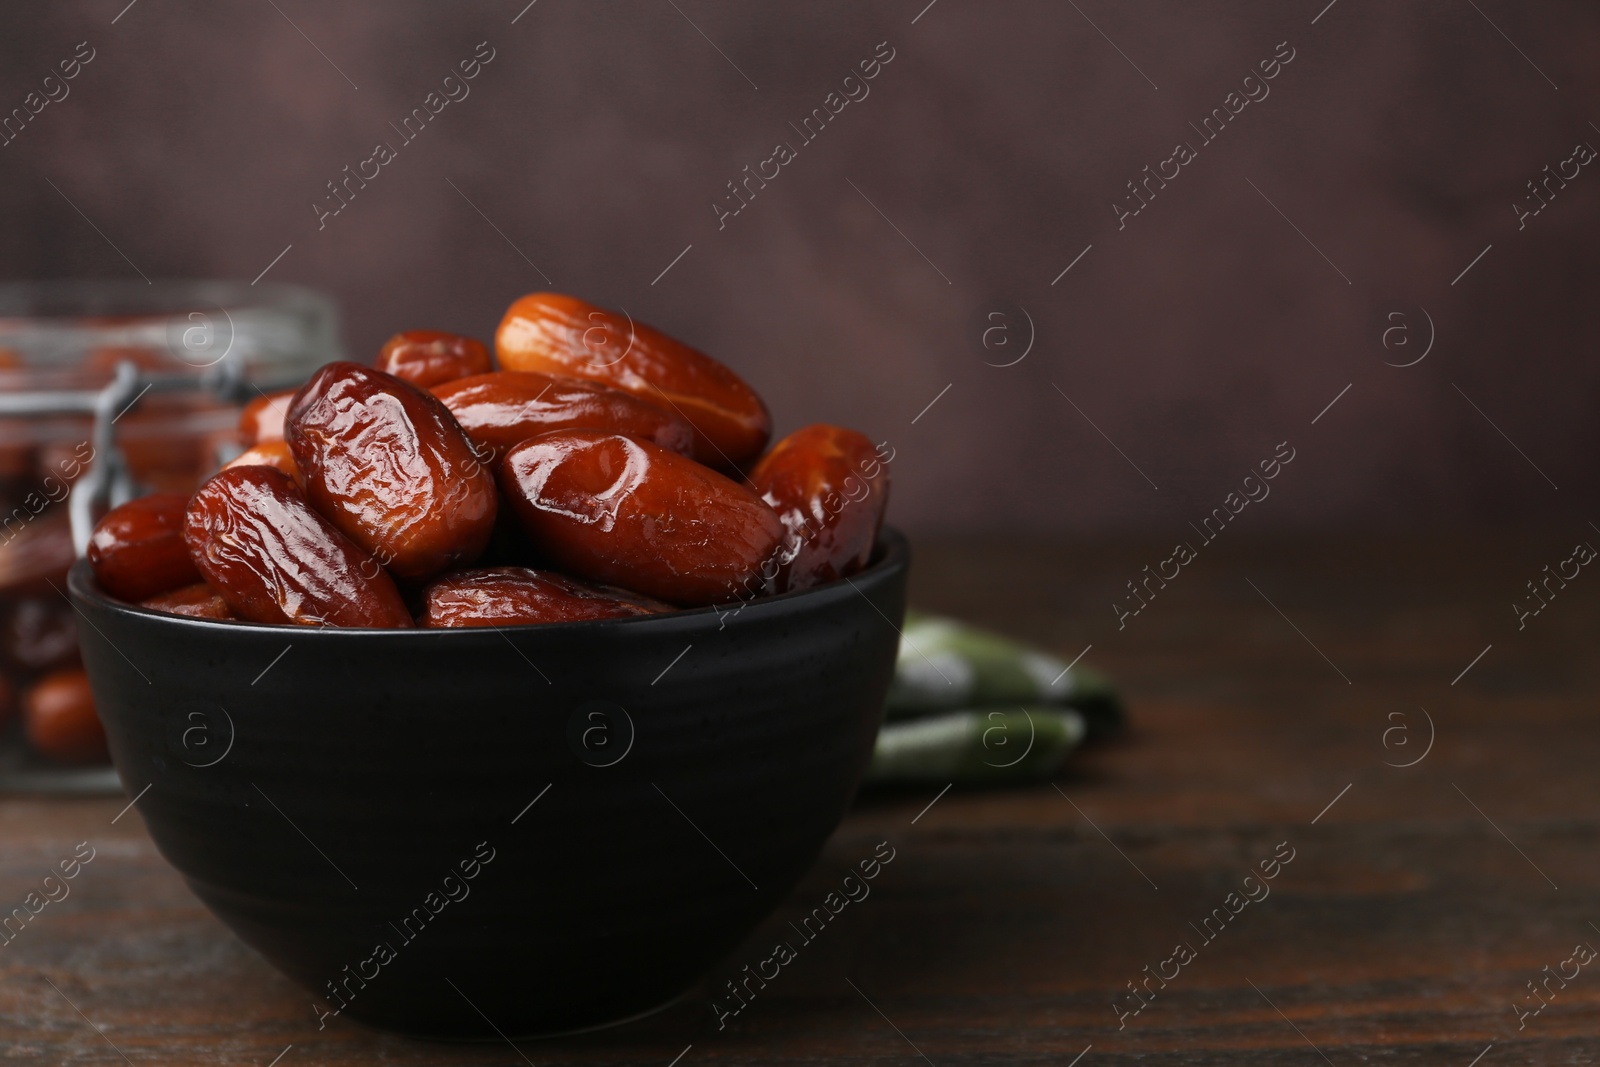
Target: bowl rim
x: 892, y: 552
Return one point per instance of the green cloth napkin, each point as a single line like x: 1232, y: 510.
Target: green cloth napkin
x: 971, y: 707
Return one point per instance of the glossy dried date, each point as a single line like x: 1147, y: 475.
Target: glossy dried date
x: 262, y: 418
x: 426, y: 358
x: 198, y: 601
x: 392, y: 469
x: 560, y: 334
x: 274, y: 454
x: 505, y: 408
x: 632, y: 514
x: 59, y: 718
x: 509, y: 596
x: 274, y: 559
x: 830, y: 487
x: 137, y: 549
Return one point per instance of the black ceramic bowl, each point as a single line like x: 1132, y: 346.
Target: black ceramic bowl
x: 527, y: 830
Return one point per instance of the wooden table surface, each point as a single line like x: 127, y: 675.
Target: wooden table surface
x: 1269, y: 686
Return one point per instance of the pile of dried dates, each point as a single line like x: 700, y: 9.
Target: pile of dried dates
x: 595, y: 468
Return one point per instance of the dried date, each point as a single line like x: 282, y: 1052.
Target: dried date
x: 274, y: 559
x: 632, y: 514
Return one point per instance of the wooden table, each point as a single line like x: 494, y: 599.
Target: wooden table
x: 1419, y: 902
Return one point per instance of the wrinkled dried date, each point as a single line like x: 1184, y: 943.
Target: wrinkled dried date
x: 560, y: 334
x: 427, y: 358
x: 274, y: 559
x: 137, y: 548
x: 508, y: 596
x: 198, y: 601
x: 830, y: 487
x: 629, y: 513
x: 392, y: 469
x: 502, y: 409
x: 59, y: 718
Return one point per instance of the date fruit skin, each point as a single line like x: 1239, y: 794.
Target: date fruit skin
x: 59, y: 718
x: 274, y: 559
x: 389, y: 466
x: 137, y: 549
x: 262, y: 418
x: 198, y: 601
x: 829, y: 486
x: 426, y: 358
x: 628, y: 513
x: 560, y: 334
x: 508, y: 407
x: 275, y: 454
x: 511, y: 596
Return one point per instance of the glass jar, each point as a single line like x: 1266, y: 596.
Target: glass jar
x: 109, y: 389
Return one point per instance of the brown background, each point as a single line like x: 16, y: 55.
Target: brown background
x: 1197, y: 338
